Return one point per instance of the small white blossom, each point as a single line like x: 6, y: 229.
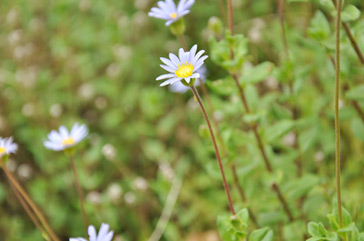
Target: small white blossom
x: 63, y: 139
x: 103, y: 235
x: 184, y: 66
x: 178, y: 87
x: 7, y: 146
x: 169, y: 11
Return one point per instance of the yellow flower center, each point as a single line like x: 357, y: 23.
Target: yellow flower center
x: 173, y: 15
x: 67, y: 142
x: 184, y: 70
x: 2, y: 150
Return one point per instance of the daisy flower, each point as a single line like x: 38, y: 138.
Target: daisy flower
x: 183, y: 67
x: 59, y: 141
x: 7, y: 146
x: 104, y: 234
x: 178, y: 87
x: 169, y: 11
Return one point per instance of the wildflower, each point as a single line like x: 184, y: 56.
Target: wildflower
x: 63, y: 139
x: 7, y: 146
x: 103, y: 235
x: 169, y: 11
x: 178, y: 87
x: 184, y: 68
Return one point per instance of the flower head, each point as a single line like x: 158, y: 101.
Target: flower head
x: 169, y: 11
x: 185, y: 66
x: 7, y: 146
x: 178, y: 87
x: 63, y: 139
x: 104, y: 234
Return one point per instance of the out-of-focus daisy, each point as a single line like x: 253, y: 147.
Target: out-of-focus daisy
x: 63, y: 139
x: 169, y: 11
x: 184, y: 67
x: 178, y: 87
x: 7, y: 146
x: 103, y: 235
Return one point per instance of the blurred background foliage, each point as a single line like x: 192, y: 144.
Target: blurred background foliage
x: 95, y: 62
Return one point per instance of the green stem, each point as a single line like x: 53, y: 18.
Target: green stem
x: 337, y: 121
x: 80, y: 196
x: 231, y: 16
x: 216, y: 148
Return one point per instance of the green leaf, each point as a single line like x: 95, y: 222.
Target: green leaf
x: 278, y: 130
x: 350, y: 13
x: 233, y: 228
x: 221, y: 51
x: 317, y: 230
x: 300, y: 187
x: 357, y: 127
x: 356, y: 93
x: 263, y: 234
x: 319, y: 27
x: 253, y: 75
x: 223, y: 87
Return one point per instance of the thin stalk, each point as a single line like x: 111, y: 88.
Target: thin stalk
x: 167, y: 210
x: 28, y: 210
x: 337, y: 121
x: 79, y: 192
x: 222, y: 10
x: 231, y: 16
x: 183, y: 42
x: 22, y: 192
x: 268, y: 166
x: 353, y: 43
x: 216, y: 148
x: 283, y: 31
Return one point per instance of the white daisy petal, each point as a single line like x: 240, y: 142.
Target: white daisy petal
x: 165, y: 76
x: 169, y: 62
x: 169, y: 69
x: 103, y: 235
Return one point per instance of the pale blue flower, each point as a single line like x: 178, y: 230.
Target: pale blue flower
x: 7, y: 146
x: 103, y: 235
x: 178, y: 87
x: 169, y: 11
x: 63, y: 139
x: 185, y: 66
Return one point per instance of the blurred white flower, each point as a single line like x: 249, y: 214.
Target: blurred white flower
x: 25, y: 171
x: 114, y: 191
x: 103, y: 235
x: 178, y: 87
x: 169, y: 11
x: 129, y: 198
x: 56, y: 110
x: 28, y: 109
x: 86, y: 91
x: 63, y: 139
x: 7, y: 146
x: 94, y: 197
x: 183, y: 68
x: 140, y: 183
x: 109, y: 151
